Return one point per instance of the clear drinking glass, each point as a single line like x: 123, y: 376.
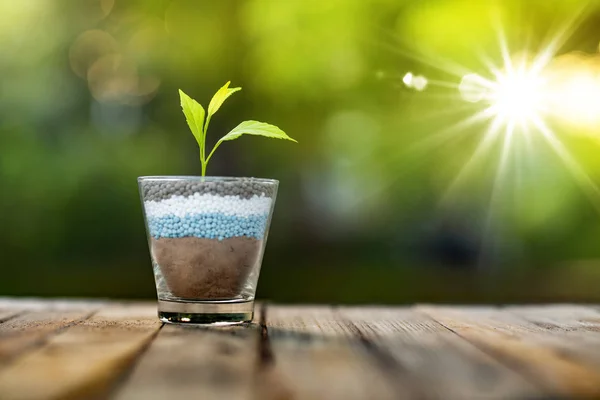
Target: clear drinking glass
x: 207, y: 237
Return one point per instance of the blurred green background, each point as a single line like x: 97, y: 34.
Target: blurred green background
x: 89, y: 102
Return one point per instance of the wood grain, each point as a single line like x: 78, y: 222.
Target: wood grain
x: 84, y: 360
x: 196, y: 363
x: 119, y: 350
x: 557, y: 319
x: 525, y: 347
x: 311, y: 346
x: 36, y: 304
x: 31, y: 329
x: 7, y: 314
x: 438, y: 361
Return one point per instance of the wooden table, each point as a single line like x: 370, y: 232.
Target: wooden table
x: 85, y: 349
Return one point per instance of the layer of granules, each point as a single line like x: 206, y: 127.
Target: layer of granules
x: 197, y: 268
x: 208, y: 226
x: 208, y: 216
x: 243, y: 187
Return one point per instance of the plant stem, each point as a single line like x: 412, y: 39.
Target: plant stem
x: 203, y: 158
x: 213, y: 150
x: 204, y: 138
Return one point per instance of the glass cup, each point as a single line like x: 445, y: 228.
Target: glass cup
x: 207, y: 237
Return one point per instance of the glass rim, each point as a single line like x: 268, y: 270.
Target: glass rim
x: 205, y: 178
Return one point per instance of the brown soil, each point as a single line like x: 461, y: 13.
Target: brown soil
x: 196, y: 268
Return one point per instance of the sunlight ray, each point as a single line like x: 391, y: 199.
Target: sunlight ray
x: 437, y: 113
x: 446, y: 68
x: 558, y: 39
x: 482, y: 149
x: 430, y: 82
x: 445, y: 84
x: 435, y: 61
x: 506, y: 58
x: 443, y: 136
x: 589, y: 187
x: 514, y: 95
x: 527, y: 160
x: 488, y: 63
x: 495, y: 193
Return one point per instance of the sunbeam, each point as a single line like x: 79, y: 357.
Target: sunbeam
x: 437, y: 62
x: 584, y: 181
x: 520, y: 97
x: 495, y: 192
x: 451, y: 132
x: 511, y: 99
x: 482, y: 150
x: 559, y: 39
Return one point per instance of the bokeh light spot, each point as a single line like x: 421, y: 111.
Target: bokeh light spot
x: 420, y: 83
x: 88, y: 48
x: 112, y: 78
x: 106, y: 6
x: 472, y: 88
x: 416, y: 82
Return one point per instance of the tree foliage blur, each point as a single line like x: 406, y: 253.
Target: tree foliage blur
x: 89, y: 102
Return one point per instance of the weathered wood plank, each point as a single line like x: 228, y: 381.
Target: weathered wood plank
x: 52, y: 350
x: 442, y: 364
x: 31, y: 328
x: 316, y: 356
x: 36, y: 304
x: 564, y: 326
x: 196, y: 363
x: 571, y: 331
x: 562, y: 318
x: 82, y: 361
x: 525, y: 347
x: 7, y: 314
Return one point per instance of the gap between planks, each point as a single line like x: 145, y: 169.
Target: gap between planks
x: 547, y: 357
x: 6, y: 315
x: 437, y: 361
x: 83, y: 361
x: 26, y: 331
x: 313, y: 354
x: 288, y: 354
x: 196, y: 362
x: 305, y: 352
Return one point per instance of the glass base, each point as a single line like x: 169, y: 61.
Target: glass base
x: 223, y: 312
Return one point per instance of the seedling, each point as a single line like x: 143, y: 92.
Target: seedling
x: 194, y: 114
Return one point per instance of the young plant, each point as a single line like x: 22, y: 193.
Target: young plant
x: 194, y: 114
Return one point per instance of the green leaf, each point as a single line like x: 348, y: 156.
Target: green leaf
x: 256, y: 128
x: 220, y: 97
x: 252, y: 128
x: 194, y: 115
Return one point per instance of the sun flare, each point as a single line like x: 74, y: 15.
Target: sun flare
x: 516, y: 96
x: 521, y: 100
